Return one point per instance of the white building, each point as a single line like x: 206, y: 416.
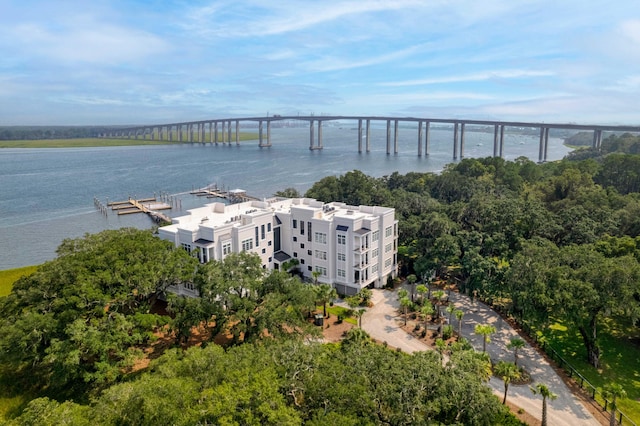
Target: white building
x: 349, y: 247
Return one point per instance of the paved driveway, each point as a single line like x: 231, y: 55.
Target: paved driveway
x: 383, y: 321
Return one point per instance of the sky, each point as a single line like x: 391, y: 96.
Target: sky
x: 118, y: 62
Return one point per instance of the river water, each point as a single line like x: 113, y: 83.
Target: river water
x: 47, y: 195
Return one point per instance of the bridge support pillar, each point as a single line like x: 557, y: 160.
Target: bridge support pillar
x: 368, y: 135
x: 311, y: 136
x: 268, y: 133
x: 229, y: 132
x: 237, y: 132
x: 420, y: 138
x: 427, y: 129
x: 502, y: 141
x: 223, y: 131
x: 360, y: 136
x: 388, y: 137
x: 319, y: 145
x: 541, y: 146
x: 546, y: 143
x: 215, y: 132
x: 597, y: 139
x: 455, y: 140
x: 496, y: 132
x: 395, y: 137
x: 260, y: 133
x: 462, y: 140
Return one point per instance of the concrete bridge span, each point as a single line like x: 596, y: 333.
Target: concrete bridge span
x: 227, y: 130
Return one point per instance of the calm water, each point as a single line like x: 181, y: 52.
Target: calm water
x: 46, y: 195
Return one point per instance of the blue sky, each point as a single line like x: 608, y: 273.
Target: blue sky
x: 143, y: 62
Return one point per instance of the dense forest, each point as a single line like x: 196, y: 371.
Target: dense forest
x: 560, y: 239
x: 555, y: 241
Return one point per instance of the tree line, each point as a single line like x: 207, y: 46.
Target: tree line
x: 13, y: 133
x: 556, y: 241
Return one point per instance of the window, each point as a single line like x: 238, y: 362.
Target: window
x: 262, y: 233
x: 226, y: 248
x: 302, y: 227
x: 321, y: 238
x: 257, y: 242
x: 374, y: 268
x: 295, y: 223
x: 342, y: 257
x: 302, y: 261
x: 264, y: 251
x: 375, y: 236
x: 309, y: 268
x: 374, y: 253
x: 268, y: 227
x: 295, y: 254
x: 388, y: 231
x: 342, y: 239
x: 322, y: 270
x: 341, y: 273
x: 187, y: 247
x: 269, y: 243
x: 387, y: 248
x: 387, y: 263
x: 301, y: 246
x: 247, y: 244
x: 309, y: 252
x: 322, y: 255
x: 309, y: 231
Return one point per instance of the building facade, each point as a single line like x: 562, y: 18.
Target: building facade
x: 349, y: 247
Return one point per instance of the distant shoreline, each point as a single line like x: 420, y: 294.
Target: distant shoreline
x: 101, y: 142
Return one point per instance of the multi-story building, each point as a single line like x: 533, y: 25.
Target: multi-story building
x: 350, y: 247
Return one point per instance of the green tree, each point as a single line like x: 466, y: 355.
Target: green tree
x: 516, y: 344
x: 459, y: 315
x: 325, y: 293
x: 485, y: 330
x: 542, y: 390
x: 82, y: 316
x: 405, y: 303
x: 508, y: 372
x: 613, y: 391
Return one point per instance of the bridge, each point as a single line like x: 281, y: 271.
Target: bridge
x: 208, y: 131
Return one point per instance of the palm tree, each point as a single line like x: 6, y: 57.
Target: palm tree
x: 421, y: 289
x: 516, y: 344
x: 546, y: 393
x: 485, y: 330
x: 437, y: 297
x: 358, y: 314
x: 402, y: 293
x: 325, y: 293
x: 426, y: 311
x: 613, y: 391
x: 450, y: 310
x: 315, y: 275
x: 459, y: 314
x: 508, y: 372
x: 412, y: 281
x: 441, y: 347
x: 405, y: 303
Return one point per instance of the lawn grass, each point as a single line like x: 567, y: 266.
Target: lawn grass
x: 620, y: 358
x: 9, y: 276
x: 99, y: 142
x: 337, y: 310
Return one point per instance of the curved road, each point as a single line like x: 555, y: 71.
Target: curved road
x: 383, y: 323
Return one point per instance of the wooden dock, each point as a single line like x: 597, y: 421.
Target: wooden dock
x: 234, y: 196
x: 150, y: 206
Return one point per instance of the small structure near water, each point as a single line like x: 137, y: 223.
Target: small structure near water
x: 150, y: 206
